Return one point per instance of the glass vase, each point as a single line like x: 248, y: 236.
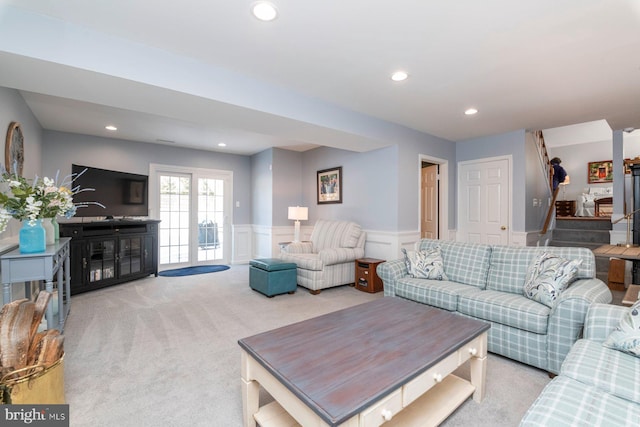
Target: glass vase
x: 49, y: 231
x: 56, y: 228
x: 32, y: 237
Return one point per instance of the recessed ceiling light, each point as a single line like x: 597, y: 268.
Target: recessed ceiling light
x: 470, y: 111
x: 264, y: 11
x: 222, y: 144
x: 399, y: 76
x: 111, y: 127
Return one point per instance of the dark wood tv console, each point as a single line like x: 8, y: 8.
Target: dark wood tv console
x: 106, y: 253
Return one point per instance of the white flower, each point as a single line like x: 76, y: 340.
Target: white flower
x: 4, y: 219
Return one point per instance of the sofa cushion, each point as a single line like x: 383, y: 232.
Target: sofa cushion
x: 437, y: 293
x: 508, y: 265
x: 351, y: 235
x: 547, y: 276
x: 334, y: 234
x: 601, y: 320
x: 612, y: 371
x: 505, y: 308
x: 626, y: 337
x: 465, y: 263
x: 567, y: 402
x: 305, y: 261
x: 425, y: 264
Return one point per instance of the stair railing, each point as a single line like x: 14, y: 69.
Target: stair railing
x: 550, y: 212
x: 538, y: 137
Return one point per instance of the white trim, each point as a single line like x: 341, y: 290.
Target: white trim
x: 227, y: 176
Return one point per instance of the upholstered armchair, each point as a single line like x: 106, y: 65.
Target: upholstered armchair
x: 328, y: 259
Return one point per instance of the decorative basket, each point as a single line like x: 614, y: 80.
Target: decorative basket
x: 39, y: 385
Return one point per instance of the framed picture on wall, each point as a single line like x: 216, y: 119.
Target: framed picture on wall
x: 600, y: 172
x: 330, y: 186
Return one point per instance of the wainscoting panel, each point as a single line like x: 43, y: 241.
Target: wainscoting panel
x: 242, y: 238
x: 265, y: 242
x: 387, y: 245
x: 262, y: 247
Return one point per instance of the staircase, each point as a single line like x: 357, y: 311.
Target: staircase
x: 587, y: 233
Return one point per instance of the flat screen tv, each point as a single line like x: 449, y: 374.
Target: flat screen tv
x: 123, y: 194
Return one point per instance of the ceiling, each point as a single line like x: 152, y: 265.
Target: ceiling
x: 196, y: 73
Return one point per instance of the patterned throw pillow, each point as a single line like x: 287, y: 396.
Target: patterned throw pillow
x: 626, y: 337
x: 425, y: 264
x: 547, y: 276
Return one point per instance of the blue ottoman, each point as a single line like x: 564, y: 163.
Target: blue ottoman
x: 272, y: 276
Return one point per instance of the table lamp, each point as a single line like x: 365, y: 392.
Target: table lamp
x: 298, y: 214
x: 564, y: 184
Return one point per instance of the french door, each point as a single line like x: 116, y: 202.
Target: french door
x: 193, y: 206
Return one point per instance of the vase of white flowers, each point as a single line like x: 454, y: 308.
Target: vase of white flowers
x: 32, y: 237
x: 22, y: 202
x: 31, y: 202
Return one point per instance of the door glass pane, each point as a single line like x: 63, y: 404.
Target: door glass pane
x: 174, y: 213
x: 102, y: 260
x: 210, y: 219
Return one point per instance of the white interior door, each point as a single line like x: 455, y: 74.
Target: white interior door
x: 429, y: 222
x: 484, y: 201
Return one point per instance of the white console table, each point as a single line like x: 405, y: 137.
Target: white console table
x: 17, y: 267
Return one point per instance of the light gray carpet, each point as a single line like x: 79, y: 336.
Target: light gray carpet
x: 163, y: 351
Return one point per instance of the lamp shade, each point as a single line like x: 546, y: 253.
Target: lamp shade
x: 298, y: 213
x: 566, y: 181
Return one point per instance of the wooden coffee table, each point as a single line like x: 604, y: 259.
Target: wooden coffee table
x: 386, y: 360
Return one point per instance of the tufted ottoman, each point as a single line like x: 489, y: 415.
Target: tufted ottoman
x: 272, y: 276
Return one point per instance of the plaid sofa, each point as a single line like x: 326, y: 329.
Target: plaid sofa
x: 597, y: 386
x: 486, y: 283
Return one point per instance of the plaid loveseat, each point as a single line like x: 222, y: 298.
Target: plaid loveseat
x: 597, y: 386
x: 486, y: 282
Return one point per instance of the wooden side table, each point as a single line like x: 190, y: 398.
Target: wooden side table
x: 565, y: 207
x: 607, y: 203
x: 367, y: 279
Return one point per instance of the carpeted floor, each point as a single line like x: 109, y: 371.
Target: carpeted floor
x: 163, y: 351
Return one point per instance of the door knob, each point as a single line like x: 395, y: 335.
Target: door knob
x: 504, y: 227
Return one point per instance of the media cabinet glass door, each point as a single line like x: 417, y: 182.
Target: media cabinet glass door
x: 130, y: 255
x: 102, y: 259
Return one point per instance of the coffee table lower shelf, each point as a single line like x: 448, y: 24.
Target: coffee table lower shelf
x: 430, y: 409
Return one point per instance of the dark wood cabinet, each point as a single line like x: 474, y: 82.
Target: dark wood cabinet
x: 367, y: 279
x: 105, y: 253
x: 565, y: 207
